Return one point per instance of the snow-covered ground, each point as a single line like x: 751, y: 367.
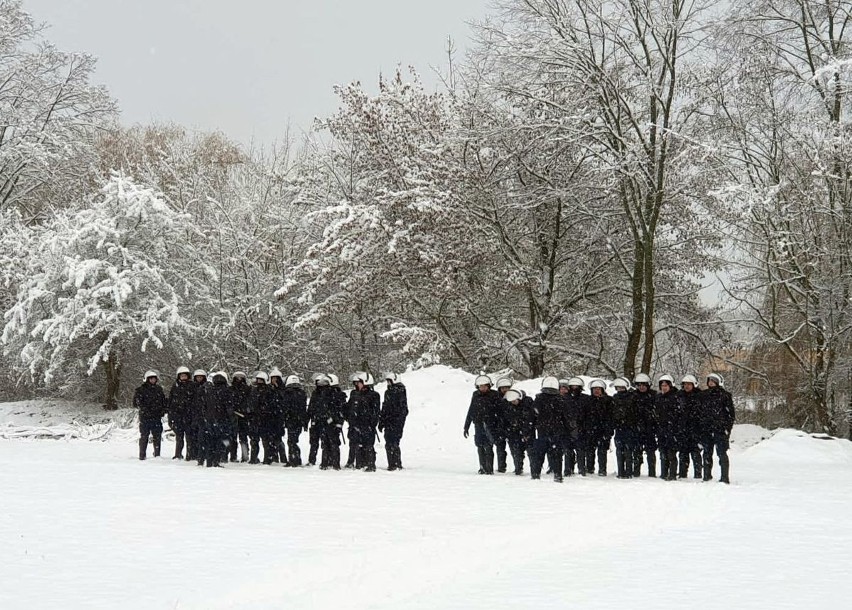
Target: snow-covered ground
x: 86, y: 524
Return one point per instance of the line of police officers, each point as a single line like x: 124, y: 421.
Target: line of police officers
x: 212, y: 419
x: 564, y: 422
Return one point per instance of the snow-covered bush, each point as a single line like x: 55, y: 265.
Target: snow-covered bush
x: 100, y: 283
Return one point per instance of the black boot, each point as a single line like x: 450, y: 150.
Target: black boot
x: 501, y: 456
x: 708, y: 464
x: 581, y: 462
x: 683, y: 465
x: 480, y: 451
x: 696, y: 464
x: 489, y: 460
x: 178, y: 447
x: 602, y: 461
x: 255, y: 451
x: 652, y: 464
x: 143, y: 447
x: 157, y: 442
x: 570, y: 460
x: 725, y: 466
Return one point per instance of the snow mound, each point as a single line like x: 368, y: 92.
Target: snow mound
x: 794, y: 446
x: 744, y: 436
x: 48, y: 419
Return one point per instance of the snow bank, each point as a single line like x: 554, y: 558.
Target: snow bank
x: 49, y: 419
x: 793, y: 446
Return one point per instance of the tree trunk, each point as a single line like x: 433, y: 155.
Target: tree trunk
x: 536, y: 362
x: 637, y: 300
x: 650, y: 296
x: 112, y: 370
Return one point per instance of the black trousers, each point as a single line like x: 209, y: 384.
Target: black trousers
x: 314, y: 434
x: 329, y: 439
x: 517, y: 447
x: 550, y: 447
x: 153, y: 428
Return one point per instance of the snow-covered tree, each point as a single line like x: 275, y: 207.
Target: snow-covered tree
x: 394, y: 248
x: 102, y: 283
x: 50, y: 114
x: 782, y: 112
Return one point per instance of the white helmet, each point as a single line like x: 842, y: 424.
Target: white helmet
x: 621, y: 382
x: 182, y: 369
x: 482, y: 380
x: 221, y: 374
x: 642, y: 378
x: 292, y: 380
x: 276, y: 373
x: 667, y: 378
x: 717, y: 378
x: 597, y: 383
x: 504, y: 382
x: 576, y: 381
x: 370, y: 381
x: 321, y: 379
x: 550, y: 383
x: 198, y: 373
x: 512, y: 395
x: 689, y: 379
x: 359, y: 376
x: 563, y: 383
x: 333, y: 380
x: 262, y: 376
x: 149, y: 374
x: 238, y: 375
x: 392, y: 377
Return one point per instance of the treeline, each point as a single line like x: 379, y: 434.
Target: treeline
x: 555, y: 205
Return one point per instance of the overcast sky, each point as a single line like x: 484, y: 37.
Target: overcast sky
x: 248, y: 67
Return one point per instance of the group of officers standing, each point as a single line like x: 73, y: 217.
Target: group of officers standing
x: 215, y: 420
x: 564, y: 422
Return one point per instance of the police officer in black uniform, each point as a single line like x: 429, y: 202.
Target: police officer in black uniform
x: 180, y: 403
x: 150, y: 400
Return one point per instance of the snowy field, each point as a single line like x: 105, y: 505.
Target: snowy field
x: 84, y: 524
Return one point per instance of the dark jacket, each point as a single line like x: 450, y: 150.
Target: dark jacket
x: 180, y: 400
x: 218, y: 407
x: 484, y: 410
x: 326, y: 408
x: 394, y: 409
x: 550, y: 417
x: 241, y: 392
x: 363, y: 409
x: 668, y: 415
x: 295, y: 407
x: 338, y: 406
x: 520, y: 421
x: 690, y: 417
x: 196, y: 409
x: 259, y: 409
x: 717, y: 411
x: 646, y: 418
x: 150, y: 400
x: 576, y: 416
x: 624, y: 416
x: 600, y: 419
x: 274, y: 414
